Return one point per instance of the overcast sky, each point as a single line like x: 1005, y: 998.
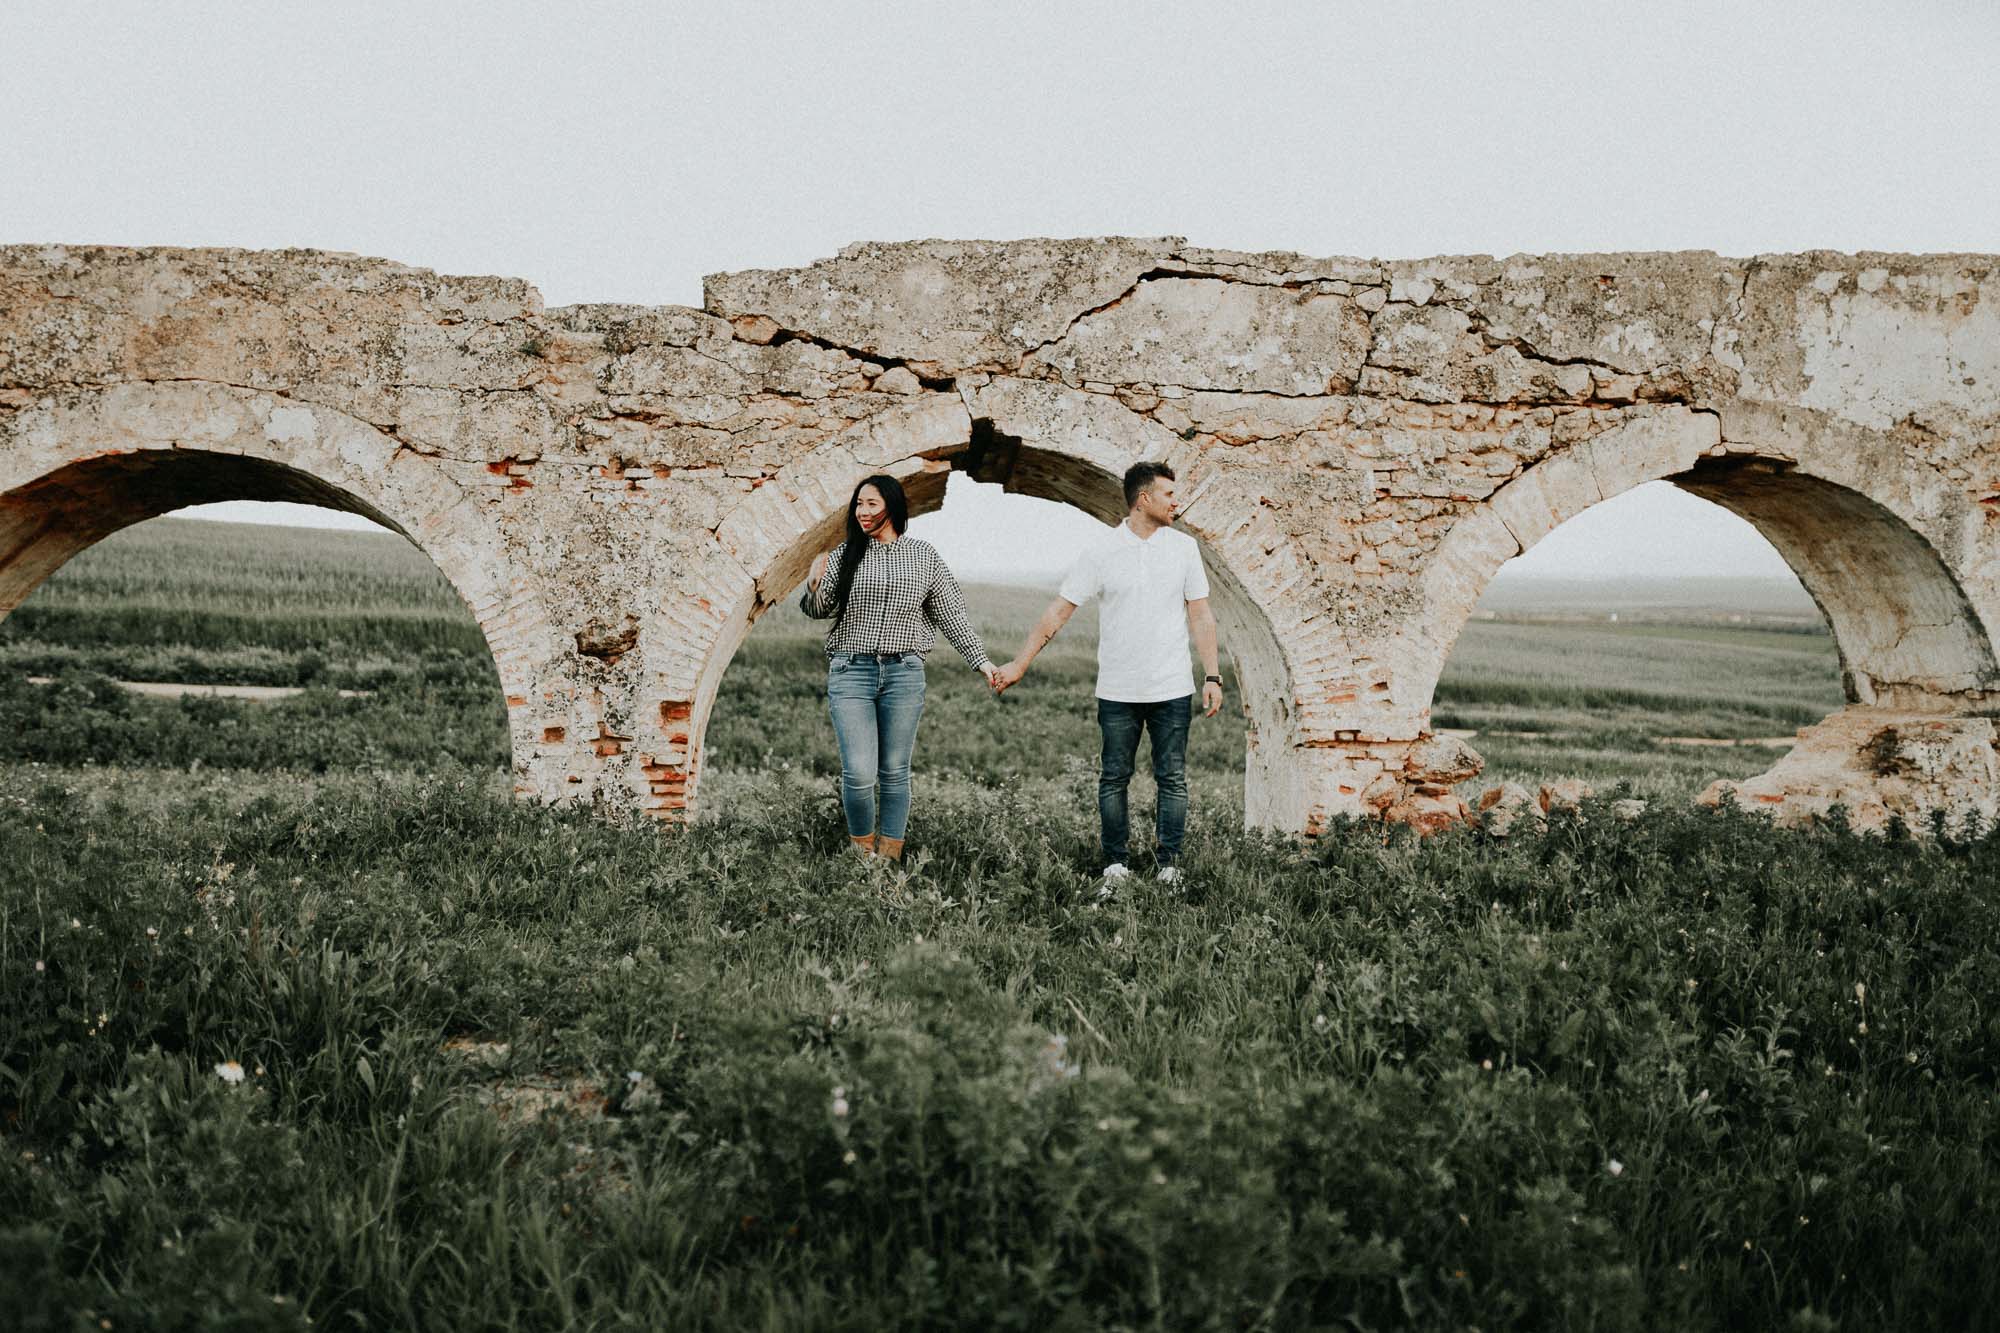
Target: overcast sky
x: 619, y: 152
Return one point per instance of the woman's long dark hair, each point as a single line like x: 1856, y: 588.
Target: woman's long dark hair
x: 898, y: 506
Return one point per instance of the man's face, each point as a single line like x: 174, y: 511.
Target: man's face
x: 1156, y: 502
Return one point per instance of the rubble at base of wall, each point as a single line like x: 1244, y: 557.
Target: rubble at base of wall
x: 1419, y: 793
x: 1879, y: 765
x: 1876, y: 765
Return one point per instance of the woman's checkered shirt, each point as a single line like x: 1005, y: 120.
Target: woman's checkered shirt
x: 901, y: 590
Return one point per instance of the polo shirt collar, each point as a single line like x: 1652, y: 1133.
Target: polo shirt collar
x: 1132, y: 538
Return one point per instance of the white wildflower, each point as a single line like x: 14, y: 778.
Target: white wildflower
x: 1615, y: 1167
x: 229, y: 1071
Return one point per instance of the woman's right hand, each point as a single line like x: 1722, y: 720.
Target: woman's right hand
x: 819, y: 568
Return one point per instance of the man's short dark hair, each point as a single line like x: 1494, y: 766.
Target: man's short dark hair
x: 1141, y: 475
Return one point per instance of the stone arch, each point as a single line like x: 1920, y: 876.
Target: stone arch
x: 85, y: 465
x: 1034, y: 438
x: 1883, y: 556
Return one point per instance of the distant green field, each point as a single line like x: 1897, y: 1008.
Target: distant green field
x: 1752, y: 599
x: 1594, y: 699
x: 243, y: 604
x: 182, y: 582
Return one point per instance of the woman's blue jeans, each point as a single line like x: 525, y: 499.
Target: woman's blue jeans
x: 876, y: 701
x: 1119, y: 724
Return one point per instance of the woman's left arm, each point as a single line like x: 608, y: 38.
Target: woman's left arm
x: 944, y: 607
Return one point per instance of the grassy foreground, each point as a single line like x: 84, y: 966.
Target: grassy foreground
x: 1683, y: 1073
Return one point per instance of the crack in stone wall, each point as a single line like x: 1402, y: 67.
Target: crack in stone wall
x: 619, y: 491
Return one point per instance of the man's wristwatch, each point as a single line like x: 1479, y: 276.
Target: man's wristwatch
x: 1216, y: 679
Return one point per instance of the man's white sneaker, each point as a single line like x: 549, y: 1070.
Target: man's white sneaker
x: 1113, y: 873
x: 1170, y: 875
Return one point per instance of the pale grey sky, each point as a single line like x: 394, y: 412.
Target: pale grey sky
x: 620, y: 152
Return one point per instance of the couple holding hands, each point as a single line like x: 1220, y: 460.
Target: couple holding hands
x: 889, y: 594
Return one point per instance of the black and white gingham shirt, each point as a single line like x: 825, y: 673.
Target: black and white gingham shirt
x: 901, y: 590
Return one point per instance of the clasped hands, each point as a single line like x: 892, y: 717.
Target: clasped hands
x: 1003, y: 678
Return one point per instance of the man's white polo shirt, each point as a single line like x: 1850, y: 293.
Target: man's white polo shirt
x: 1143, y: 588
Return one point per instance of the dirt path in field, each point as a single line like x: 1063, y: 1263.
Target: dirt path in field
x: 1722, y: 742
x: 163, y: 689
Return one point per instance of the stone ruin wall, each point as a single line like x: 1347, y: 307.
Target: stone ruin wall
x: 618, y: 491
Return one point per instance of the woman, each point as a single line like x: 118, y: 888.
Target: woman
x: 887, y: 594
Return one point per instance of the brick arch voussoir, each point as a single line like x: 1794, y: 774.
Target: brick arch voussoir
x: 77, y: 466
x: 1058, y: 444
x: 759, y: 552
x: 1913, y: 527
x: 1072, y: 445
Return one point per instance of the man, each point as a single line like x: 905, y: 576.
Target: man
x: 1153, y: 593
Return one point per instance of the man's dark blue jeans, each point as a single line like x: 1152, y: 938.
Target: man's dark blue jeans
x: 1120, y: 725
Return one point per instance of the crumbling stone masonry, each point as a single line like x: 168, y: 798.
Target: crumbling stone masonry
x: 618, y: 491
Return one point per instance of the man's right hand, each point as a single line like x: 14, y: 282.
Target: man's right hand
x: 1010, y: 675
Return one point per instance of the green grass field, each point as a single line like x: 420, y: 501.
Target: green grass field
x: 239, y: 604
x: 1592, y: 699
x: 180, y: 582
x: 303, y: 1022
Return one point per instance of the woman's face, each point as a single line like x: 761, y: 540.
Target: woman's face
x: 870, y: 511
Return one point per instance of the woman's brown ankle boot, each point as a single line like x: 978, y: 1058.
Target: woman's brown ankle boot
x: 865, y: 844
x: 889, y: 848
